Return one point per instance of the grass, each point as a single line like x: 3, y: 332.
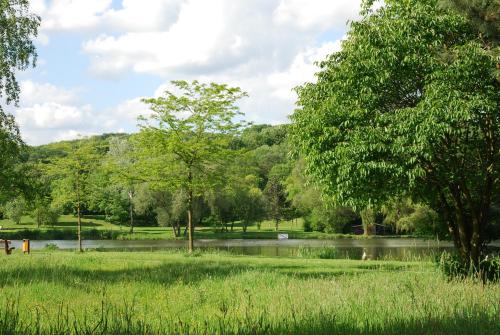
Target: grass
x: 95, y: 227
x: 216, y: 293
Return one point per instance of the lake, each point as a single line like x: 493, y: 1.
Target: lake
x: 374, y: 248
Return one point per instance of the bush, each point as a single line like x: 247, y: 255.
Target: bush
x: 51, y: 247
x: 15, y: 209
x: 45, y: 215
x: 453, y: 267
x: 307, y: 225
x: 325, y: 252
x: 330, y: 219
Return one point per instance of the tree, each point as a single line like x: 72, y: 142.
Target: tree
x: 409, y: 106
x: 483, y: 14
x: 188, y: 138
x: 250, y: 201
x: 317, y: 213
x: 276, y: 200
x: 17, y: 52
x: 121, y: 165
x: 44, y: 214
x: 15, y: 209
x: 71, y: 187
x: 368, y: 217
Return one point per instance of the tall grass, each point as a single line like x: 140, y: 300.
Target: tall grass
x: 168, y: 293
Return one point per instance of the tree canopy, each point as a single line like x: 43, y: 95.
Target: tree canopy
x: 409, y: 106
x: 18, y: 28
x: 188, y: 137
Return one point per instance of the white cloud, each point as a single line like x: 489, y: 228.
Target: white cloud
x: 33, y: 93
x: 311, y: 14
x: 266, y: 47
x: 70, y: 14
x: 209, y: 37
x: 135, y: 16
x: 301, y: 70
x: 50, y: 113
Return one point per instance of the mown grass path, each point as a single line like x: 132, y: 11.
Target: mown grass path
x: 164, y: 293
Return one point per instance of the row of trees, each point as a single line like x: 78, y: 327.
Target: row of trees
x: 135, y: 179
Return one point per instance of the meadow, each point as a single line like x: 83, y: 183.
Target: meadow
x: 95, y: 227
x: 216, y: 293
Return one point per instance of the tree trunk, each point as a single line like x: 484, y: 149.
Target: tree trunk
x: 466, y: 222
x: 232, y: 226
x: 131, y: 209
x: 245, y: 227
x: 176, y: 229
x: 276, y: 222
x: 79, y: 227
x: 190, y: 214
x: 78, y: 212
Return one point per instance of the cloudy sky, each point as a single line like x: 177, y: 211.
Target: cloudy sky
x: 98, y: 58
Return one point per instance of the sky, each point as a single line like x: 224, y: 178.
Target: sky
x: 98, y: 58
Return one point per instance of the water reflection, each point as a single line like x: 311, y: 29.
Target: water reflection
x: 377, y: 248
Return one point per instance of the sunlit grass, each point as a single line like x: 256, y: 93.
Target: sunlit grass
x: 170, y: 292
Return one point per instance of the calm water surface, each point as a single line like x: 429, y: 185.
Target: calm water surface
x: 376, y: 248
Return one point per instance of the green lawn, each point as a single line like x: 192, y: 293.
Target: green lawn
x: 94, y: 227
x: 165, y: 293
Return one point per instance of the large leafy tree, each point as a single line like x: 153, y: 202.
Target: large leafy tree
x: 408, y: 106
x: 187, y: 138
x: 18, y: 27
x: 72, y: 183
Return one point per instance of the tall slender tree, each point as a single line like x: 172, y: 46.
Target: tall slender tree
x: 188, y: 136
x: 71, y: 184
x: 121, y: 165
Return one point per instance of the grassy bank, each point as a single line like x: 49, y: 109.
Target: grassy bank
x: 95, y: 228
x: 163, y: 293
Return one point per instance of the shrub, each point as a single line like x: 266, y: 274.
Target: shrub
x: 51, y: 247
x: 325, y: 252
x: 453, y: 267
x: 45, y: 215
x: 330, y: 219
x: 15, y: 209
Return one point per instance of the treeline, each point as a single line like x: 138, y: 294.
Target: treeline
x: 108, y: 175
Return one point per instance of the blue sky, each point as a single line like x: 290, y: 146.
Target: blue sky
x: 98, y: 58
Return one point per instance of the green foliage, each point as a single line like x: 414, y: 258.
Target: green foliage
x: 331, y: 219
x: 71, y: 185
x: 277, y: 201
x: 45, y: 215
x: 317, y: 252
x: 18, y: 28
x: 319, y: 215
x: 452, y: 267
x: 484, y: 15
x: 408, y: 106
x: 17, y: 50
x: 51, y: 247
x: 407, y: 217
x: 187, y: 138
x: 15, y: 209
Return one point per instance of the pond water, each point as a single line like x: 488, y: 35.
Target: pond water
x: 376, y: 248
